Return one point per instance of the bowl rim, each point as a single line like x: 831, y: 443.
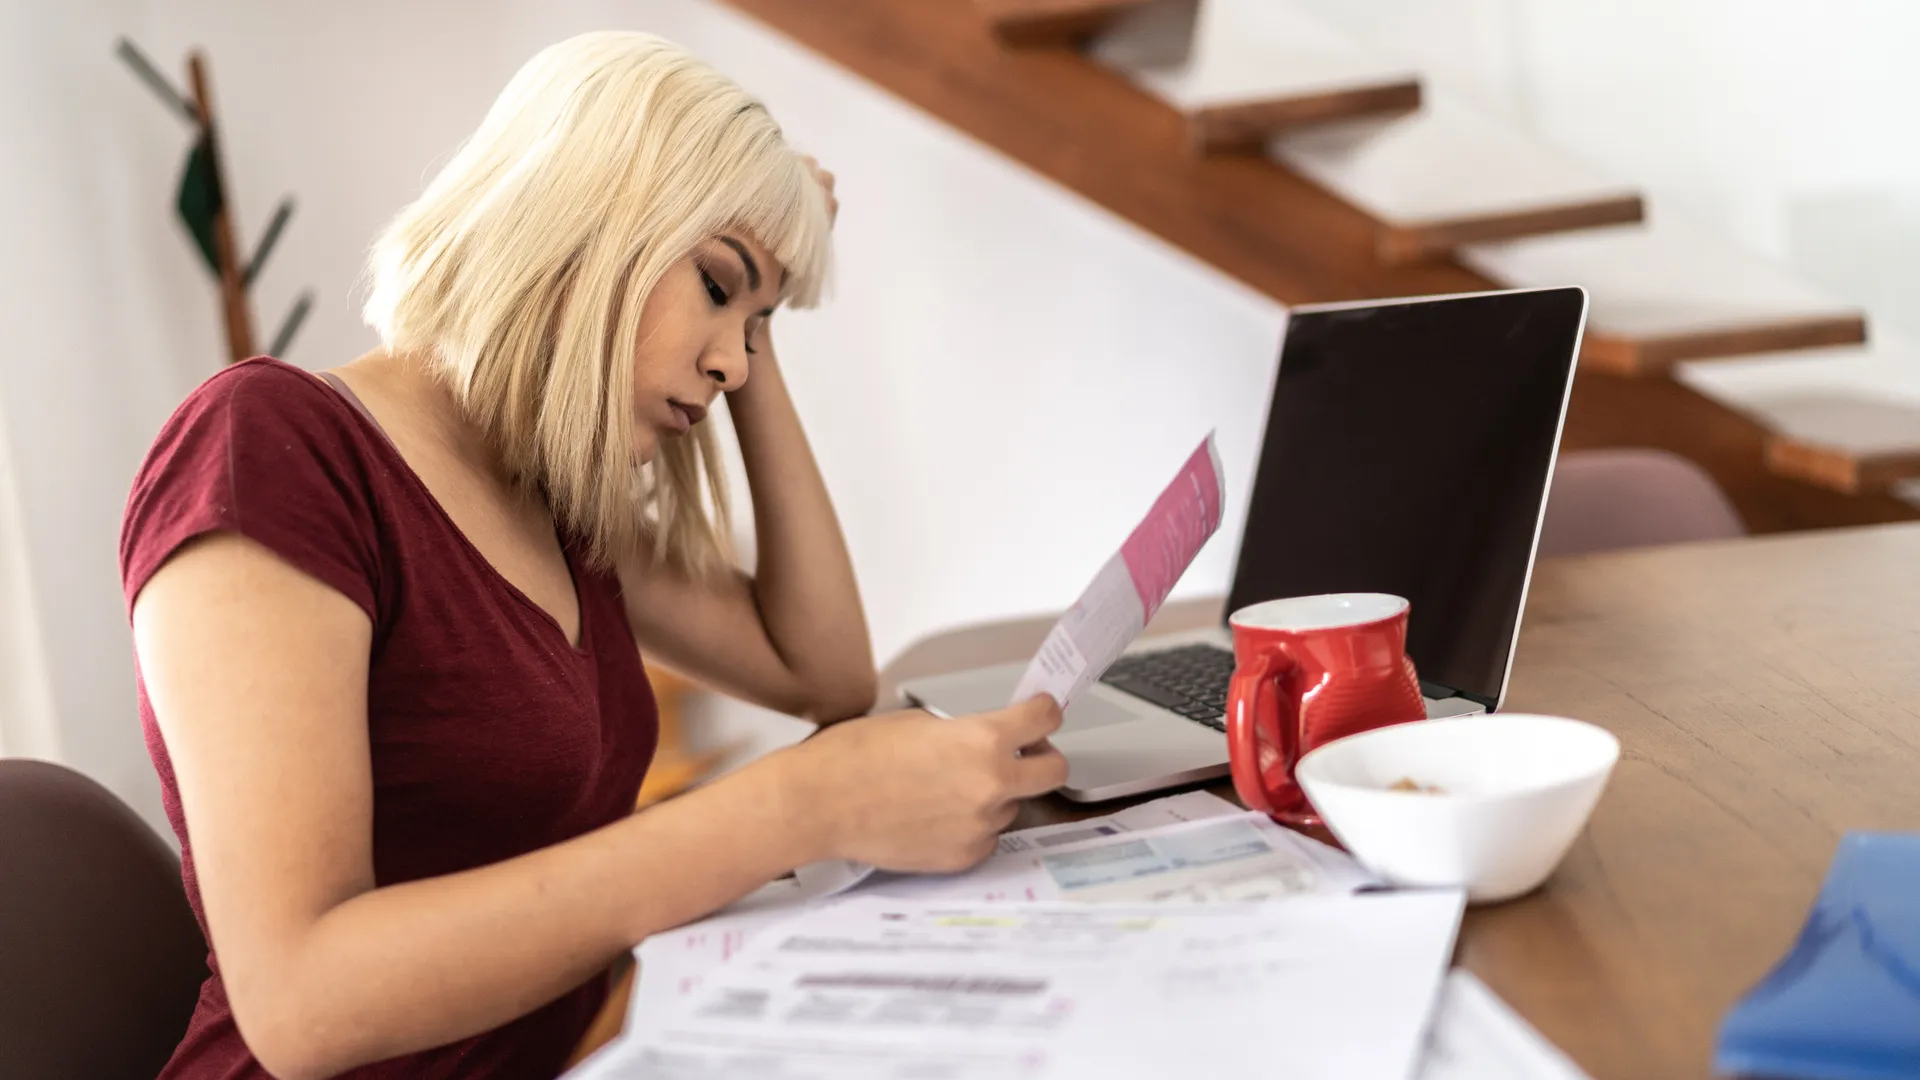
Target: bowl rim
x: 1370, y: 791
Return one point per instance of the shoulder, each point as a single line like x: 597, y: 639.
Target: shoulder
x: 260, y: 395
x: 263, y: 449
x: 260, y: 420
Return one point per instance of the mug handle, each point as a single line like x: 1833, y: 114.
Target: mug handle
x: 1253, y: 707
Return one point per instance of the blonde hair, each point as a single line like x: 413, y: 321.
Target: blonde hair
x: 522, y: 269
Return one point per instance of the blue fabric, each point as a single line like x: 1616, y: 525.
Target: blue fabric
x: 1845, y: 1002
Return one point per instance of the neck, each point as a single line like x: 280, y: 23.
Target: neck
x: 410, y: 386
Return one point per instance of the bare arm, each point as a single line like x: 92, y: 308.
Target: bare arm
x: 258, y: 674
x: 793, y: 635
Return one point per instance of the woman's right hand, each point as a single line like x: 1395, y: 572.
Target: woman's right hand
x: 910, y: 791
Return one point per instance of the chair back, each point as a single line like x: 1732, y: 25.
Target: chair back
x: 101, y: 960
x: 1604, y: 500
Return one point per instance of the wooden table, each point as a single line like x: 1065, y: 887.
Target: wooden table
x: 1766, y: 694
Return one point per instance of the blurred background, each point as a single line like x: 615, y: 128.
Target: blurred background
x: 1070, y: 231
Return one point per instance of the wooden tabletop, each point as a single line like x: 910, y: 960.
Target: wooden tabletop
x: 1766, y: 694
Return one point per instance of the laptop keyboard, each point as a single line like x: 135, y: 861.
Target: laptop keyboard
x: 1190, y: 680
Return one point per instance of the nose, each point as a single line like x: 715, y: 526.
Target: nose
x: 726, y: 365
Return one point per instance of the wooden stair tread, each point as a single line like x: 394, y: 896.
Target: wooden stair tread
x: 1667, y: 291
x: 1241, y: 70
x: 1050, y: 22
x: 1448, y: 176
x: 1885, y: 369
x: 1850, y: 469
x: 1844, y: 418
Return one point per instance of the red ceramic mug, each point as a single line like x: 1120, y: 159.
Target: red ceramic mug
x: 1309, y: 670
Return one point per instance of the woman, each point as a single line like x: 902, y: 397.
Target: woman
x: 389, y: 623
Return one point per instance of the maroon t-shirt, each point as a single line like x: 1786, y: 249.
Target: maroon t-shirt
x: 490, y: 734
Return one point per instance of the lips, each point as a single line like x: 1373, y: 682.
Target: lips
x: 685, y: 415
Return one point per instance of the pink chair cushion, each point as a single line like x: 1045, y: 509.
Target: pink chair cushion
x: 1603, y: 500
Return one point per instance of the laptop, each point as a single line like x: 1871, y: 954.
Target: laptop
x: 1408, y: 449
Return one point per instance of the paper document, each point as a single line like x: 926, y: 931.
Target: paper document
x: 1243, y: 857
x: 1172, y: 810
x: 1109, y: 615
x: 1477, y: 1037
x: 673, y: 963
x: 875, y: 989
x: 823, y: 879
x: 1132, y: 585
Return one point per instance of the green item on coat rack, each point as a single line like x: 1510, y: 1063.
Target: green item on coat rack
x: 200, y: 199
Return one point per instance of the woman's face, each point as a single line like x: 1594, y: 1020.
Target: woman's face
x: 694, y: 335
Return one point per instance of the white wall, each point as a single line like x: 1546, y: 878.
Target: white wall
x: 1003, y: 379
x: 1005, y: 375
x: 29, y: 726
x: 91, y: 296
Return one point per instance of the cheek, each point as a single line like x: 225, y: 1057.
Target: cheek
x: 647, y: 399
x: 646, y: 445
x: 670, y: 323
x: 667, y: 349
x: 653, y: 354
x: 659, y: 340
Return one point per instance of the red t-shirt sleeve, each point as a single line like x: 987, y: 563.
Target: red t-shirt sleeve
x: 271, y: 453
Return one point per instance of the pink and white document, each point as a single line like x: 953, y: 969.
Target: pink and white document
x: 1132, y: 585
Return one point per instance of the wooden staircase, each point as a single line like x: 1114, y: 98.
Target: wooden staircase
x: 1275, y: 146
x: 1240, y: 85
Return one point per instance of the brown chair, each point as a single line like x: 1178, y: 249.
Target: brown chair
x: 1604, y: 500
x: 101, y: 960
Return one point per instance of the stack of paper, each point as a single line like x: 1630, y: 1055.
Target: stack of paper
x: 988, y: 974
x: 1477, y: 1037
x: 1196, y: 844
x: 872, y: 987
x: 1243, y: 857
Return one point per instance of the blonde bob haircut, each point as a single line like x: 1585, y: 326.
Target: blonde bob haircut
x: 521, y: 271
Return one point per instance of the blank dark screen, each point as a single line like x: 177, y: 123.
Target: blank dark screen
x: 1407, y: 452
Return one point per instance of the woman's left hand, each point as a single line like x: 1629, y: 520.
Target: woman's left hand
x: 763, y: 333
x: 826, y: 184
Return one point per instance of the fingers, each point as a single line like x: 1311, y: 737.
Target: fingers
x: 1038, y: 770
x: 826, y: 181
x: 974, y: 853
x: 1026, y: 723
x: 999, y: 822
x: 813, y: 166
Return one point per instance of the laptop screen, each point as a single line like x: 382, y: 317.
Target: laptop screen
x: 1407, y: 451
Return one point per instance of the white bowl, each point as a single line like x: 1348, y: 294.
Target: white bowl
x: 1515, y: 791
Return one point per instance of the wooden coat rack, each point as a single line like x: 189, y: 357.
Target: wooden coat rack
x: 205, y: 207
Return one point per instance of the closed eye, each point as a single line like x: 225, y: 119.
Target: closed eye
x: 714, y: 292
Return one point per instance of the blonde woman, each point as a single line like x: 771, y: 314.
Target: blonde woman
x: 389, y: 621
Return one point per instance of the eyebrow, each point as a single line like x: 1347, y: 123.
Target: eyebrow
x: 746, y: 260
